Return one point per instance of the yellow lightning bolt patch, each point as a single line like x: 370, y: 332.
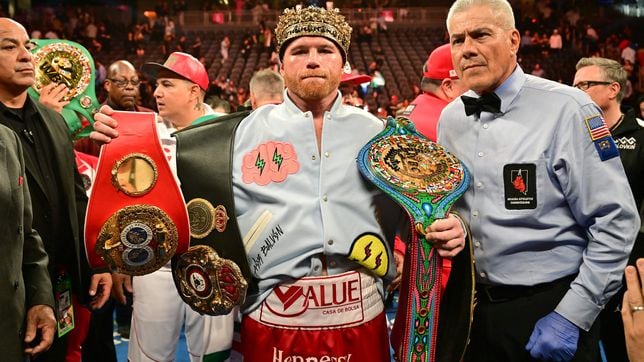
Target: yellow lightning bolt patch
x: 369, y: 251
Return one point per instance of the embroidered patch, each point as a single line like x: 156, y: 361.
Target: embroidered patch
x: 600, y: 135
x: 606, y: 148
x: 520, y: 183
x: 409, y: 109
x: 597, y: 127
x: 269, y: 162
x: 369, y: 251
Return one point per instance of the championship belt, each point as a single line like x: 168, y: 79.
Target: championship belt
x: 425, y: 180
x: 209, y: 284
x: 63, y: 61
x: 136, y: 217
x: 212, y: 277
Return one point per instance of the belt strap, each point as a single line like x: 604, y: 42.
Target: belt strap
x: 204, y: 165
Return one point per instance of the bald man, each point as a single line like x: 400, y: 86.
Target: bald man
x: 57, y: 196
x: 122, y: 87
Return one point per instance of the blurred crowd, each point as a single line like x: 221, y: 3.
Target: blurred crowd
x: 555, y: 35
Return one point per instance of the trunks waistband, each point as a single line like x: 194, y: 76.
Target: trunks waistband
x: 335, y: 301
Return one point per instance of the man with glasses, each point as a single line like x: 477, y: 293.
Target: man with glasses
x: 122, y: 86
x: 605, y: 81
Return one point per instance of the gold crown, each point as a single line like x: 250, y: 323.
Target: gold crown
x: 313, y: 21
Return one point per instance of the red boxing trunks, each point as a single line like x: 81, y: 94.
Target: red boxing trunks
x: 336, y: 318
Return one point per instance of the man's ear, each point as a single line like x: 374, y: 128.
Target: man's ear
x: 447, y: 87
x: 253, y: 101
x: 615, y: 88
x: 515, y: 41
x: 195, y: 91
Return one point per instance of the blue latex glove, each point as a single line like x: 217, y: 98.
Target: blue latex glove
x: 554, y: 338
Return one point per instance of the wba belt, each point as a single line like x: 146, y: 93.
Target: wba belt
x: 136, y: 217
x: 425, y: 180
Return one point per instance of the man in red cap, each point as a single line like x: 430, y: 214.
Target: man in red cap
x: 181, y: 83
x: 158, y: 311
x: 440, y: 86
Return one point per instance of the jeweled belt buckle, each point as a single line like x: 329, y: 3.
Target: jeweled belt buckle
x: 137, y: 240
x: 208, y: 283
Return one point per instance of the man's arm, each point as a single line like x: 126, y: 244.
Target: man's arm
x: 39, y: 296
x: 596, y: 189
x: 591, y: 177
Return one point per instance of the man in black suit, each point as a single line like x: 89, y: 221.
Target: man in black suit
x: 25, y: 289
x: 56, y: 188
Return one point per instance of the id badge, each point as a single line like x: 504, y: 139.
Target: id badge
x: 64, y: 306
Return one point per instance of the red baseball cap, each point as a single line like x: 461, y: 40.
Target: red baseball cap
x: 355, y: 79
x: 184, y: 65
x: 439, y: 64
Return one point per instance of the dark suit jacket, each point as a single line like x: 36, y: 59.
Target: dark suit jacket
x: 24, y: 281
x: 73, y: 200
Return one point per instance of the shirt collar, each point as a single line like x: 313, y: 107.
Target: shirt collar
x: 508, y: 90
x: 294, y: 110
x: 23, y: 113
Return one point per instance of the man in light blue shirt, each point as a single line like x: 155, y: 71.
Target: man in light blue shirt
x: 312, y: 230
x: 551, y: 215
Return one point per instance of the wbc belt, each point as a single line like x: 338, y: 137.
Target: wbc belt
x: 63, y: 61
x: 136, y: 217
x: 425, y: 180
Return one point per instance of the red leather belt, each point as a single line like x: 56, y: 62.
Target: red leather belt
x: 136, y: 217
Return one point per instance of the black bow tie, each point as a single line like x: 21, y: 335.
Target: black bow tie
x: 488, y: 102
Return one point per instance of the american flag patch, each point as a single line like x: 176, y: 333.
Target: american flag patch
x: 597, y: 127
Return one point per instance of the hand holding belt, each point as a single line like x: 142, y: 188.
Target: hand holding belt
x: 425, y: 180
x: 136, y: 217
x: 63, y: 61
